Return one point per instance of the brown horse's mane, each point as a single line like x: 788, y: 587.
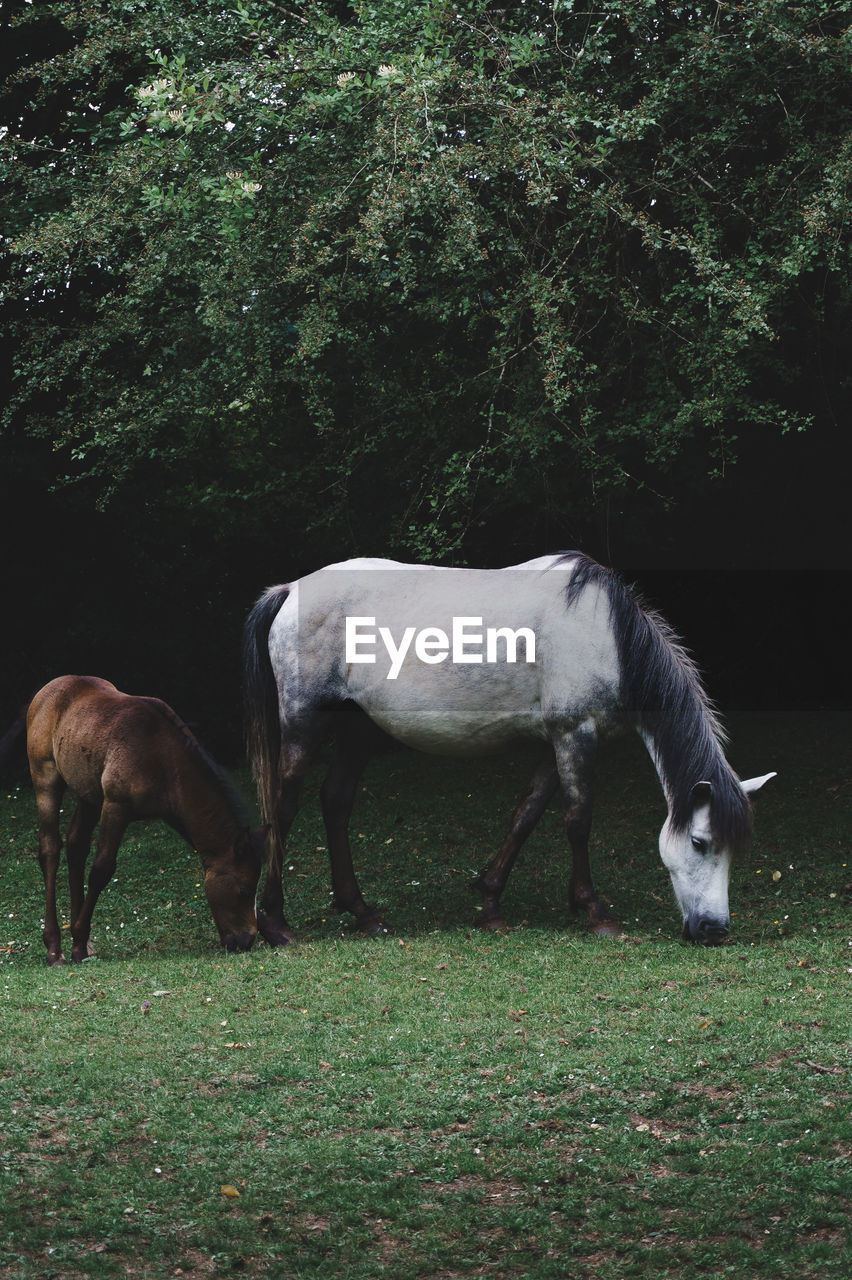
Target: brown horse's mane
x: 218, y: 776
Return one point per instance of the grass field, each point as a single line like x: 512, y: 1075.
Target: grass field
x: 443, y: 1102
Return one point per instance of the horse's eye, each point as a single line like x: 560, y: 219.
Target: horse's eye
x: 699, y: 845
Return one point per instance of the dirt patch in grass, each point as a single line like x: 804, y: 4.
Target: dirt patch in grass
x: 716, y: 1093
x: 775, y: 1059
x: 192, y: 1264
x: 14, y: 1272
x: 312, y: 1223
x: 823, y: 1233
x: 497, y: 1192
x: 665, y: 1130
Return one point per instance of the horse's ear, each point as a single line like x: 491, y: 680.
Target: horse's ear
x: 702, y: 793
x: 754, y: 784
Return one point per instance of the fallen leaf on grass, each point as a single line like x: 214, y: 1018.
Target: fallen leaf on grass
x: 229, y: 1190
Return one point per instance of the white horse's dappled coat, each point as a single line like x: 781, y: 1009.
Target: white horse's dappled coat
x: 600, y: 662
x: 450, y: 708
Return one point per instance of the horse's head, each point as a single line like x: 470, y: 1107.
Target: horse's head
x: 699, y: 865
x: 230, y: 885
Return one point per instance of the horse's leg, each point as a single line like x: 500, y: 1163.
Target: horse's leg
x: 532, y: 805
x: 49, y: 788
x: 271, y: 923
x: 575, y: 756
x: 77, y: 844
x: 337, y: 796
x: 113, y: 823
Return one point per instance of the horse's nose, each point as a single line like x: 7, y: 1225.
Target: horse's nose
x: 707, y: 931
x: 240, y: 941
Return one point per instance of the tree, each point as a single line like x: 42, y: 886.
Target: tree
x: 397, y: 274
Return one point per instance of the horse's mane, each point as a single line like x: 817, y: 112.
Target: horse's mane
x: 661, y: 691
x: 220, y: 779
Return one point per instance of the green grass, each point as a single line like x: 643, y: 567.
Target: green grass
x: 443, y: 1102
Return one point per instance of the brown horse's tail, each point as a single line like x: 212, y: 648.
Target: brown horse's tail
x: 12, y: 738
x: 260, y: 696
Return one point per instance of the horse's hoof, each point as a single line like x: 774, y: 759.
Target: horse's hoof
x: 275, y: 932
x: 55, y: 957
x: 373, y: 924
x: 606, y: 928
x: 493, y: 924
x: 278, y: 937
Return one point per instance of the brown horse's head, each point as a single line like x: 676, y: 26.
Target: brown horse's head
x: 231, y: 888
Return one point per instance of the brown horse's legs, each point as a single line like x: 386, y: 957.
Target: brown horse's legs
x: 77, y: 845
x: 113, y: 823
x: 575, y: 756
x: 337, y: 797
x: 49, y: 790
x: 533, y: 804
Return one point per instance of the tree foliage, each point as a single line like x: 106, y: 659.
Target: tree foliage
x: 396, y: 272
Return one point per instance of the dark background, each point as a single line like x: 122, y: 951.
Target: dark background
x: 756, y: 579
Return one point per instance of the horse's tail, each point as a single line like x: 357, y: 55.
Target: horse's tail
x: 260, y: 695
x: 12, y: 738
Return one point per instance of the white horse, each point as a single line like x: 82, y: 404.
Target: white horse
x: 464, y: 662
